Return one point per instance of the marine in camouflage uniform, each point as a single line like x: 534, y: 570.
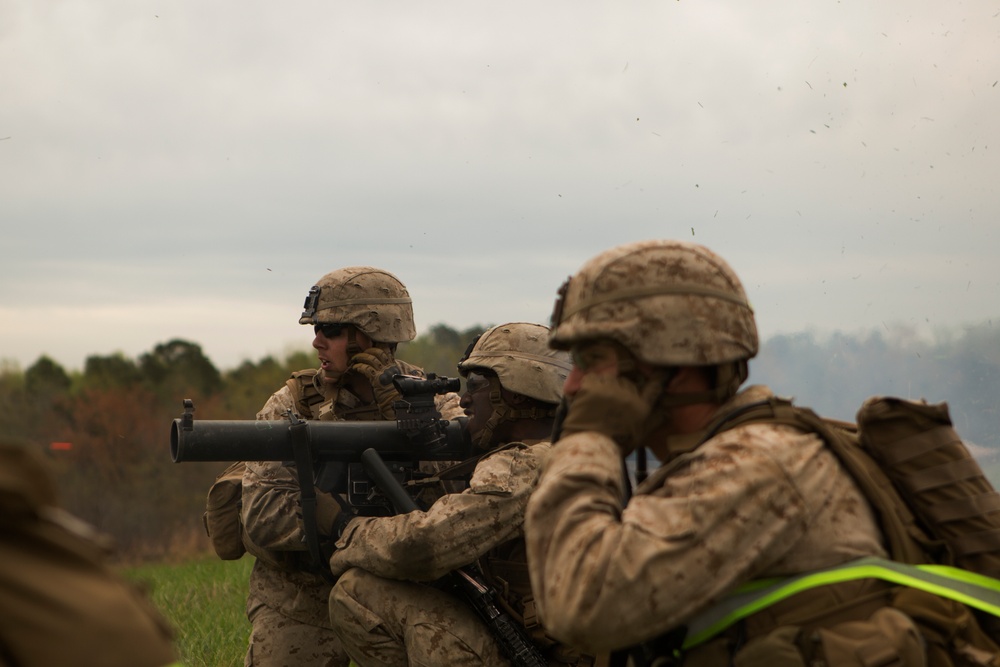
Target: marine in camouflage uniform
x: 359, y: 315
x: 660, y: 333
x: 384, y: 605
x: 60, y: 603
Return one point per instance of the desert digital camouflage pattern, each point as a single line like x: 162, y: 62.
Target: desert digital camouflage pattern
x: 372, y: 612
x: 670, y: 303
x: 386, y: 620
x: 381, y: 611
x: 520, y: 355
x: 756, y: 501
x: 373, y: 300
x: 287, y: 604
x: 455, y: 530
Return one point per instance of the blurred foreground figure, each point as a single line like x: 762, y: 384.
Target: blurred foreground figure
x: 60, y: 603
x: 660, y: 333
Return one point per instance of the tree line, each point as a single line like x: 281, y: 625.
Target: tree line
x: 106, y: 427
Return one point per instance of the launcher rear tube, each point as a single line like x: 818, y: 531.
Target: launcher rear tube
x: 266, y: 440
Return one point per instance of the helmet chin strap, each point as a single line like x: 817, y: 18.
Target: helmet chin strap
x: 504, y: 412
x: 728, y: 377
x: 354, y: 347
x: 352, y: 342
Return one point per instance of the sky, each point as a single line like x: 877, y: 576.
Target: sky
x: 181, y: 169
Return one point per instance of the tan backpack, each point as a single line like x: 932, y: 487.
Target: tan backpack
x: 222, y: 513
x: 934, y: 505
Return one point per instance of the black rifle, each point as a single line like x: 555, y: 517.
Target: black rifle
x: 328, y: 454
x: 481, y: 597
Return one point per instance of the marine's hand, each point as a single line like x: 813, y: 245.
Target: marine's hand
x: 608, y: 404
x: 378, y: 367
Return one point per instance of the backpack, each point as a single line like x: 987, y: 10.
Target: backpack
x: 939, y: 480
x: 934, y: 506
x: 222, y: 513
x: 932, y: 499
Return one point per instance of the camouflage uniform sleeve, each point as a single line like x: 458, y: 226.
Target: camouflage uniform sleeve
x: 454, y: 531
x: 608, y: 576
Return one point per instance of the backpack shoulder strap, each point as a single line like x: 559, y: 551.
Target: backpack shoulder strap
x: 906, y: 541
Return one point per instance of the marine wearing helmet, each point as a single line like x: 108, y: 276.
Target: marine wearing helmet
x: 373, y: 300
x: 359, y: 314
x: 523, y: 374
x: 384, y: 607
x: 661, y: 333
x: 654, y: 306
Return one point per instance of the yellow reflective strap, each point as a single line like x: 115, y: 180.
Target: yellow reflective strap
x: 969, y: 588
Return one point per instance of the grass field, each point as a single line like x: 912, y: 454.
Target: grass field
x: 205, y: 601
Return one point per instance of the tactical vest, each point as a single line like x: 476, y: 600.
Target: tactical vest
x: 933, y: 505
x: 308, y: 392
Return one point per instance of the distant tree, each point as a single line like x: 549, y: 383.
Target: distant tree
x: 179, y: 367
x: 110, y: 371
x: 249, y: 385
x: 439, y: 350
x: 300, y: 360
x: 18, y: 415
x: 46, y: 376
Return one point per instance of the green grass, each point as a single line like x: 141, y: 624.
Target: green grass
x: 205, y: 601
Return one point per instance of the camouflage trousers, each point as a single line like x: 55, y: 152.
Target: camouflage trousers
x: 386, y: 623
x: 279, y: 641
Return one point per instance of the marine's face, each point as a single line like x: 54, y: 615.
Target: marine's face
x: 330, y: 342
x: 590, y: 358
x: 476, y: 403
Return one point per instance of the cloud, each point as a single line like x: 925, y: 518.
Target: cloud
x: 178, y: 160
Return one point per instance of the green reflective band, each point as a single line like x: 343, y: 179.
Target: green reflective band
x: 969, y: 588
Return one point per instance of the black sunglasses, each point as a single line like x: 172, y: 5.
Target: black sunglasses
x: 329, y: 330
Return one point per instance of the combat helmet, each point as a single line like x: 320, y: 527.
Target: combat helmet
x: 669, y: 303
x: 520, y: 356
x: 373, y: 300
x: 524, y: 363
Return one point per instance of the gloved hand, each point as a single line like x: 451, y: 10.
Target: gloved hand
x: 612, y: 405
x: 378, y: 367
x: 339, y: 523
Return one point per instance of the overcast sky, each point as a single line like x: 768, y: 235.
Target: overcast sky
x: 189, y: 169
